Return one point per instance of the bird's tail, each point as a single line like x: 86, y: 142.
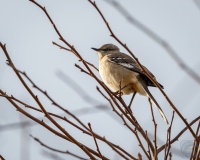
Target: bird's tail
x: 153, y: 100
x: 158, y: 107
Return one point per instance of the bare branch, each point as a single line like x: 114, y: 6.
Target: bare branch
x: 98, y: 150
x: 155, y: 131
x: 1, y: 157
x: 61, y: 47
x: 168, y: 144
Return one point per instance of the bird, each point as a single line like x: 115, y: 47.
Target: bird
x: 117, y: 68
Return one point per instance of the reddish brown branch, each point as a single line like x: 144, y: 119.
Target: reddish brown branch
x: 168, y: 144
x: 98, y: 150
x: 82, y: 70
x: 1, y: 157
x: 61, y: 47
x: 155, y: 154
x: 148, y: 151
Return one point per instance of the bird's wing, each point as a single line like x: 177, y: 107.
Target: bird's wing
x: 126, y: 62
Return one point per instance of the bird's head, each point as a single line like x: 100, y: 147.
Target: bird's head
x: 106, y: 49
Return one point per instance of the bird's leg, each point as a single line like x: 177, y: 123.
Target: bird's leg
x: 119, y: 91
x: 129, y: 106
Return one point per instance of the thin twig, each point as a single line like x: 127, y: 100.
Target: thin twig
x: 98, y: 150
x: 148, y: 151
x: 61, y: 47
x: 92, y: 65
x: 82, y: 70
x: 51, y: 155
x: 56, y: 150
x: 155, y: 131
x: 168, y: 145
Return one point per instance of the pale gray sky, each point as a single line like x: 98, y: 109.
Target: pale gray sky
x: 29, y: 35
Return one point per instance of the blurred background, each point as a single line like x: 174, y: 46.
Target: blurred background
x: 153, y: 30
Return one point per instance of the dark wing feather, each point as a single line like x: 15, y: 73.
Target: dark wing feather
x: 128, y: 62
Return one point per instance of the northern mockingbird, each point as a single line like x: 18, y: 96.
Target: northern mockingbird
x: 117, y: 68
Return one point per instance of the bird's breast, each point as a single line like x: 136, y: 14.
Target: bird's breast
x: 112, y: 74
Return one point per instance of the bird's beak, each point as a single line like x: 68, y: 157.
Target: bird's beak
x: 95, y: 49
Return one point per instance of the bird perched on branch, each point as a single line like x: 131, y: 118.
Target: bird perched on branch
x: 117, y: 68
